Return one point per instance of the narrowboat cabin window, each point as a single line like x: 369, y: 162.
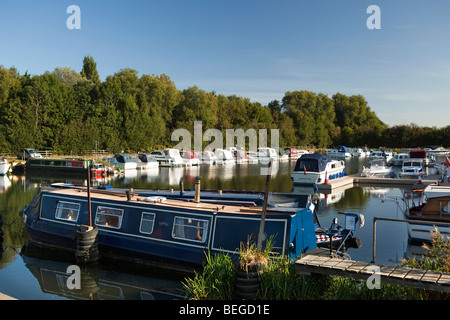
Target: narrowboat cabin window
x: 109, y: 217
x: 147, y: 222
x: 67, y: 211
x: 190, y: 229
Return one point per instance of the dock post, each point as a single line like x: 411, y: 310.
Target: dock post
x: 374, y: 243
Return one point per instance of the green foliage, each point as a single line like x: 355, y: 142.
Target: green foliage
x: 70, y: 112
x: 216, y: 282
x: 437, y: 256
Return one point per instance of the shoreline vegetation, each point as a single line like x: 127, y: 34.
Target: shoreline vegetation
x: 69, y: 112
x: 279, y: 281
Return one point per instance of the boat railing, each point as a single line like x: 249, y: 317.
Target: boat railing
x: 375, y: 219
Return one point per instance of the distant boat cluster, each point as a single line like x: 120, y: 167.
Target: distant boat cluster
x: 179, y: 158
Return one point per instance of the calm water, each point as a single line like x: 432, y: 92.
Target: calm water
x: 27, y: 273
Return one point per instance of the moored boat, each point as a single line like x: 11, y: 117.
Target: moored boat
x: 160, y: 231
x: 315, y: 168
x: 397, y: 159
x: 224, y: 157
x: 147, y: 161
x: 64, y: 165
x: 340, y: 152
x: 207, y: 157
x: 412, y: 168
x: 168, y: 157
x: 126, y: 161
x: 292, y: 153
x: 419, y: 154
x: 190, y: 158
x: 376, y: 167
x: 434, y: 212
x: 4, y: 166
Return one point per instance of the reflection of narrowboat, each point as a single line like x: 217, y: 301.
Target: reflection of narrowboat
x: 157, y: 230
x: 97, y: 282
x: 58, y: 165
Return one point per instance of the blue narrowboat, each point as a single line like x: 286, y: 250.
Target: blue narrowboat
x: 160, y: 231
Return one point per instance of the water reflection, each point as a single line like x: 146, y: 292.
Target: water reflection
x: 97, y: 282
x: 114, y: 282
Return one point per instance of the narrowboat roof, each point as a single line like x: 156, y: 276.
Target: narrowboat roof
x: 136, y: 199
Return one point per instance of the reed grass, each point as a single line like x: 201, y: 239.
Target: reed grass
x: 280, y: 281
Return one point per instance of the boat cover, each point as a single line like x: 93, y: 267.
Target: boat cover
x: 314, y: 162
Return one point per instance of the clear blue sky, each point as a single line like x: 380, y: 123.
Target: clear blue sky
x: 257, y: 49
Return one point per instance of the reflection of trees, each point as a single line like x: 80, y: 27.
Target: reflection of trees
x: 219, y: 177
x: 14, y: 233
x: 354, y: 197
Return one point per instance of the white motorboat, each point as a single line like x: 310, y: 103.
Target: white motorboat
x: 224, y: 157
x: 190, y: 158
x: 436, y: 190
x: 267, y: 154
x: 381, y: 154
x: 412, y: 168
x: 168, y: 157
x: 397, y: 159
x: 434, y: 211
x: 4, y: 166
x: 340, y: 152
x: 126, y: 161
x: 316, y: 168
x: 207, y: 157
x: 376, y: 167
x: 358, y: 152
x: 437, y: 150
x: 147, y: 161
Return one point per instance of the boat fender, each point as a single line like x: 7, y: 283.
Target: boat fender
x: 87, y: 244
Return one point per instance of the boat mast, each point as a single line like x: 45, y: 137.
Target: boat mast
x: 264, y: 209
x: 89, y: 195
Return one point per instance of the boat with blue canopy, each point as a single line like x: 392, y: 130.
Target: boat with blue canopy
x: 316, y: 168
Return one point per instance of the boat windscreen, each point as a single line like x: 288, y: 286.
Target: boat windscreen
x: 308, y: 165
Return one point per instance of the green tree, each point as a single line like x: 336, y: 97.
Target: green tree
x: 89, y: 70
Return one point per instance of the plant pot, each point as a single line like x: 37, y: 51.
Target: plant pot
x: 248, y: 280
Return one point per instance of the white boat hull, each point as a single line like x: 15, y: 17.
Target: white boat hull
x: 422, y: 233
x: 309, y: 178
x: 4, y: 167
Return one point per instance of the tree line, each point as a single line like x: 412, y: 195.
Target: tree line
x: 69, y: 112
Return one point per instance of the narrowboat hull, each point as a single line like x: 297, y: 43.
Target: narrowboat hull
x: 77, y: 166
x: 170, y: 232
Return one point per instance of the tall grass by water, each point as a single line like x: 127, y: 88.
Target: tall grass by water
x: 279, y: 281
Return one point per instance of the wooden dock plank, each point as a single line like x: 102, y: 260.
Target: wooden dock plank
x: 431, y: 276
x: 359, y: 270
x: 444, y: 279
x: 357, y: 266
x: 400, y: 272
x: 386, y: 270
x: 415, y: 274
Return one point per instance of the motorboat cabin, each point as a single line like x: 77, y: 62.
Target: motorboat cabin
x: 315, y: 168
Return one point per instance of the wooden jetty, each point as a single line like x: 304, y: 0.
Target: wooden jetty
x: 319, y: 261
x: 5, y: 297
